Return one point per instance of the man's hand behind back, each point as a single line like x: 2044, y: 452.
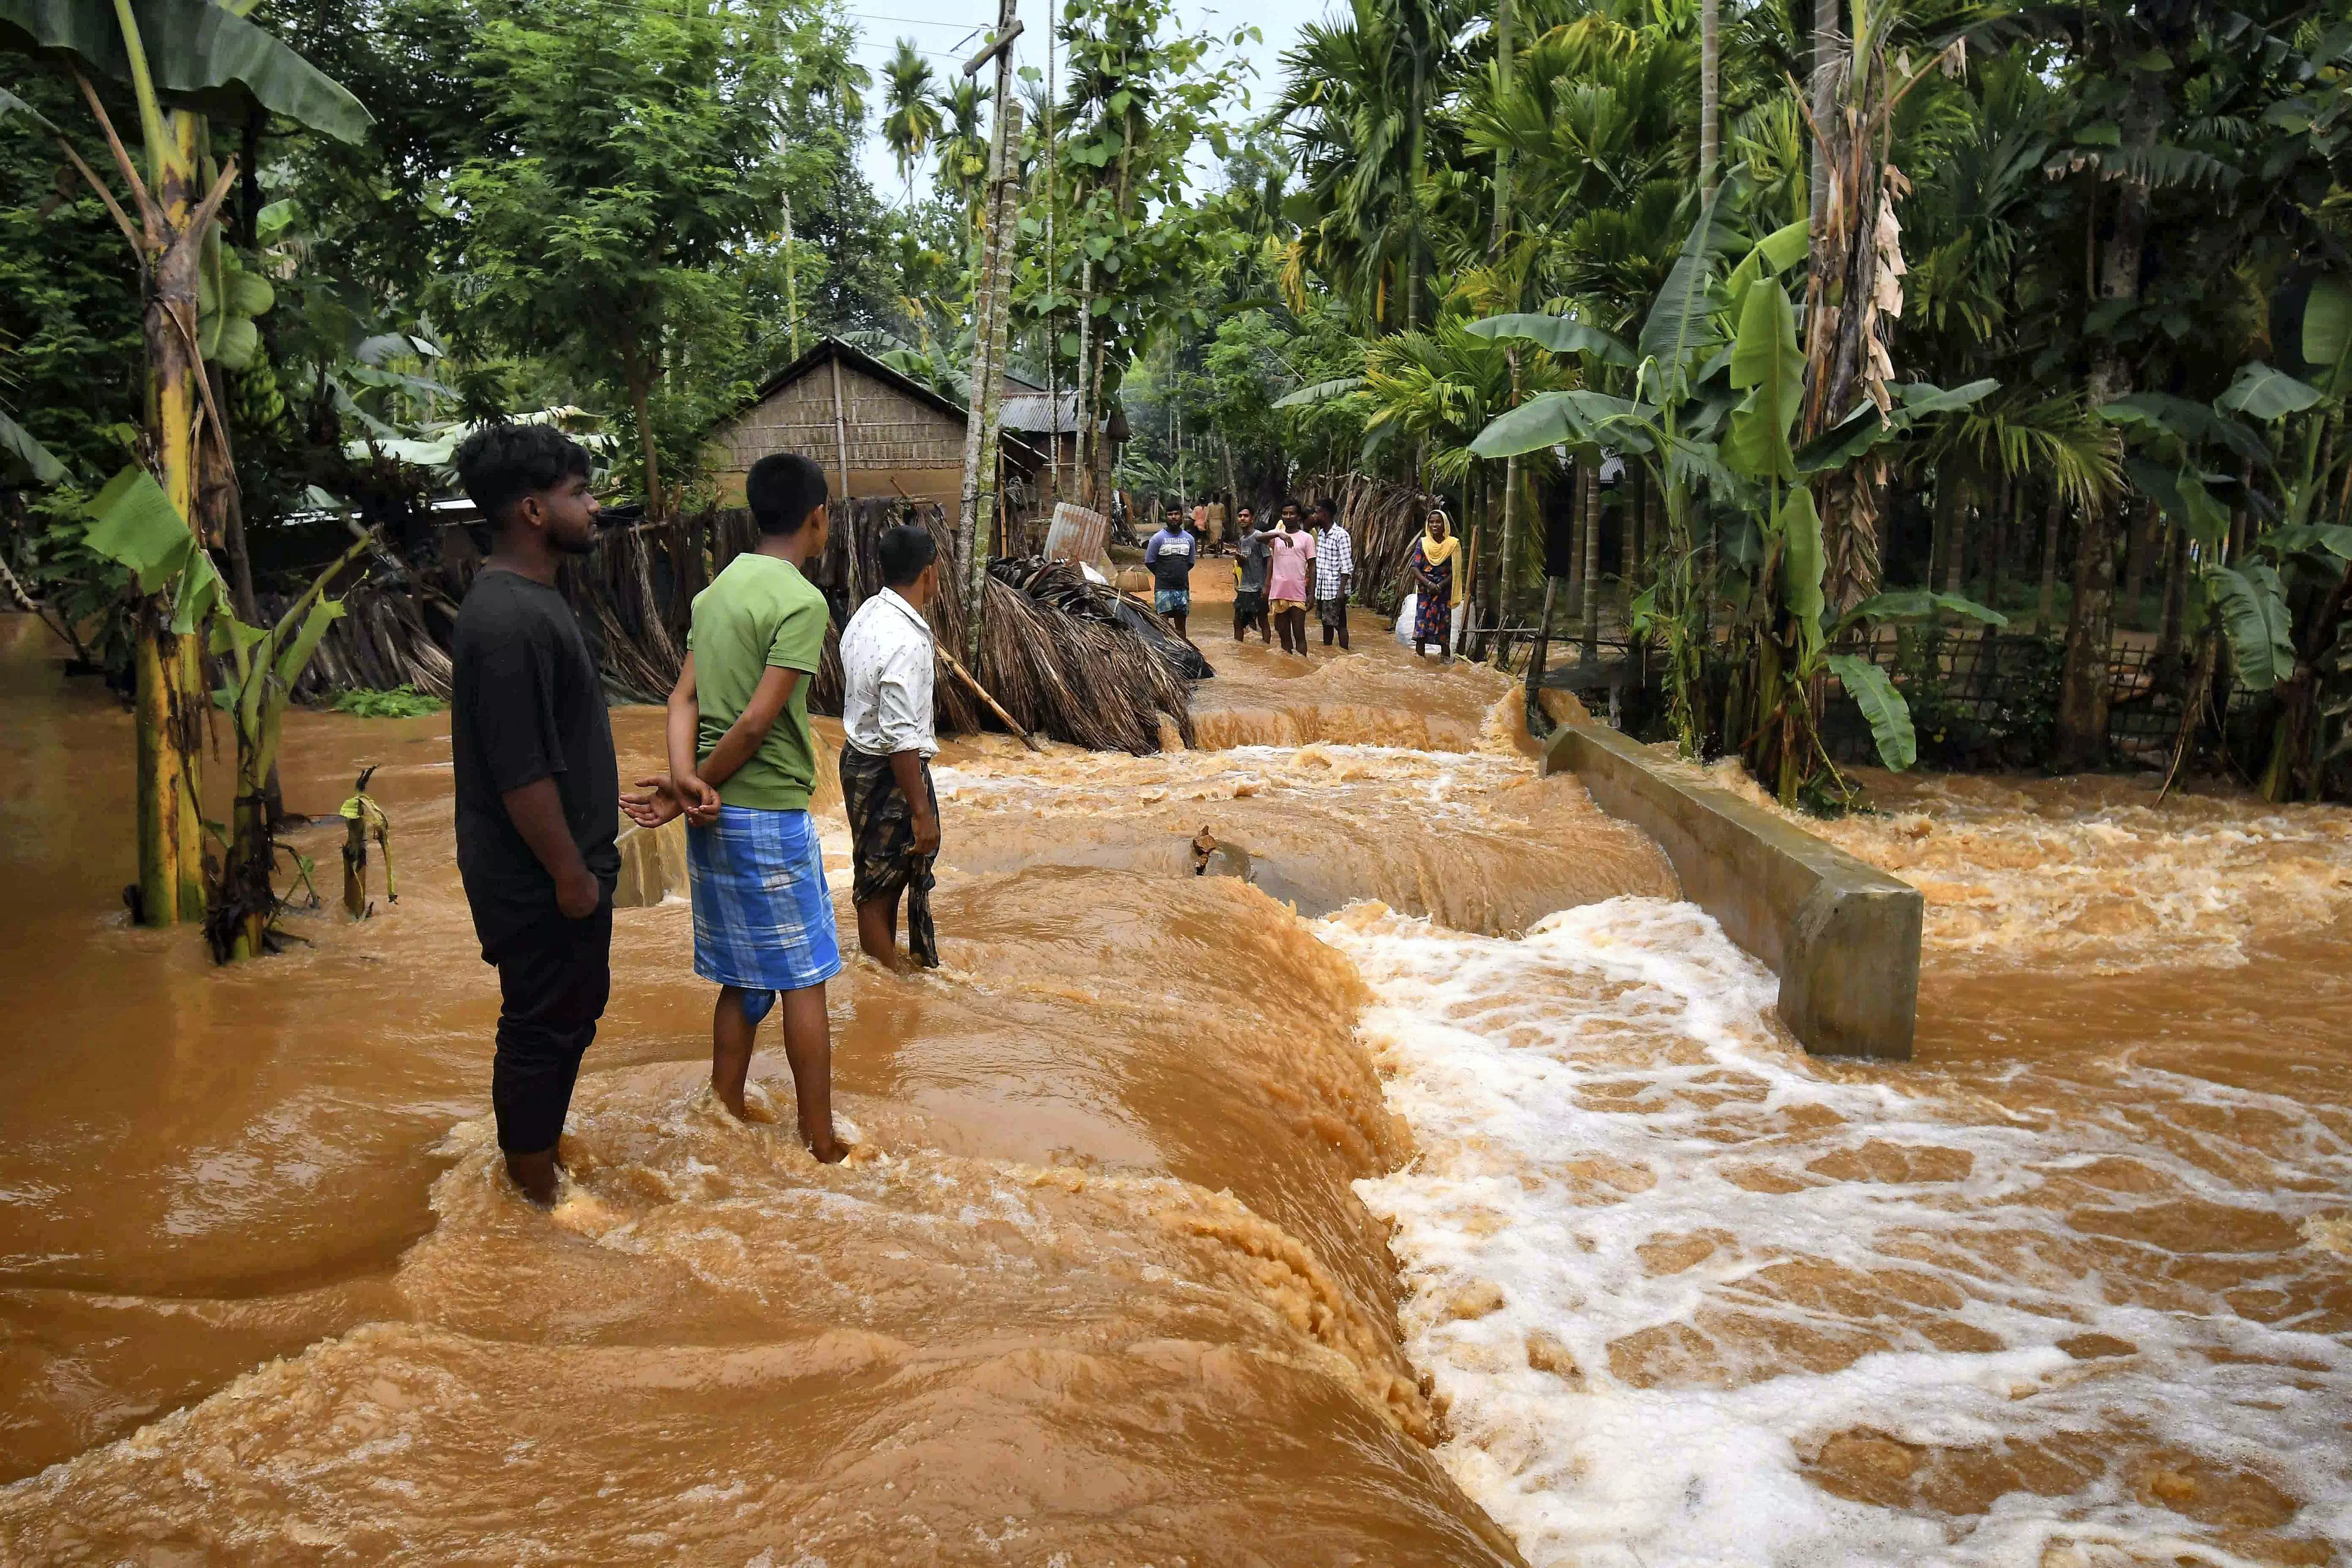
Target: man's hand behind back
x: 653, y: 803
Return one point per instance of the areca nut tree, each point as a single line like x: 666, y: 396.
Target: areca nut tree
x: 910, y: 119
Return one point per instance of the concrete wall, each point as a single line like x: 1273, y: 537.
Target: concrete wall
x: 1843, y: 936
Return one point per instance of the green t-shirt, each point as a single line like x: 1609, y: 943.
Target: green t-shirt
x: 759, y: 612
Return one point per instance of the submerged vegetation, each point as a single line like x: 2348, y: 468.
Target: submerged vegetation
x: 400, y: 701
x: 1783, y: 328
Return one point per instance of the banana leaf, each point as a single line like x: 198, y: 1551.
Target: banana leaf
x: 1682, y: 320
x: 1916, y: 604
x: 2181, y: 495
x: 1802, y: 565
x: 1917, y: 400
x: 2327, y: 328
x: 1883, y: 706
x: 1321, y: 391
x: 1768, y: 365
x: 1561, y: 334
x: 134, y: 524
x: 1576, y: 418
x: 2261, y: 392
x: 1776, y: 252
x: 2190, y: 420
x: 1864, y: 428
x: 24, y: 460
x: 2312, y: 538
x: 13, y: 107
x: 201, y: 56
x: 2253, y: 610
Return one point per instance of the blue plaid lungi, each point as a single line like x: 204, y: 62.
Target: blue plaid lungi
x: 762, y: 913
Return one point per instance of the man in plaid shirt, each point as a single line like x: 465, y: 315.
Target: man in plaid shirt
x: 1335, y: 573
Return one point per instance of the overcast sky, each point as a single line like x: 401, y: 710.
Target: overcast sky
x: 949, y: 30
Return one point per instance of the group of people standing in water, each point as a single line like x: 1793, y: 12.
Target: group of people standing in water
x: 1299, y: 560
x: 539, y: 798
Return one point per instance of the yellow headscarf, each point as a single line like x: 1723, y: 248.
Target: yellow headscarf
x: 1437, y: 552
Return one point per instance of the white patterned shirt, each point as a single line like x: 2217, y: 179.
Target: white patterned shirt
x: 1335, y: 562
x: 885, y: 678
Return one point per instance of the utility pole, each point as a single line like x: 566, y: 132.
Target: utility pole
x: 792, y: 283
x: 992, y: 315
x: 1053, y: 291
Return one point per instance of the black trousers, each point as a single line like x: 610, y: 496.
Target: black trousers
x: 554, y: 977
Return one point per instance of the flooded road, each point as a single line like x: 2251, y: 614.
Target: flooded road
x: 1447, y: 1196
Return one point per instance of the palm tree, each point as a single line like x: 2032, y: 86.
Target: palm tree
x: 963, y: 146
x: 1362, y: 110
x: 1596, y: 112
x: 911, y: 121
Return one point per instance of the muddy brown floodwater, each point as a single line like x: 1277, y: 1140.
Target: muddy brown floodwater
x: 1450, y: 1196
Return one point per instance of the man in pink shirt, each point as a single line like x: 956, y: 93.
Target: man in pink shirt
x: 1292, y: 550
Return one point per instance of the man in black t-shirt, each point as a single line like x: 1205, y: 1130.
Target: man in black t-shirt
x: 537, y: 785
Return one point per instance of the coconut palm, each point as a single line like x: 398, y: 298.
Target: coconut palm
x: 910, y: 121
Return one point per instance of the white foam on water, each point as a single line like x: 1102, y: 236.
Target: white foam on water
x: 1658, y: 1260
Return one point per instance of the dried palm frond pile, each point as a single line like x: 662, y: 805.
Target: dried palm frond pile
x: 1062, y: 658
x: 1384, y: 518
x: 628, y: 615
x: 382, y: 642
x: 1069, y: 659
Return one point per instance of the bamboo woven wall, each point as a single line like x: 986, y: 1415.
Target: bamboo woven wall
x: 889, y: 432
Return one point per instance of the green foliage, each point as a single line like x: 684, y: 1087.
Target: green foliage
x: 1881, y: 704
x: 202, y: 57
x: 400, y: 701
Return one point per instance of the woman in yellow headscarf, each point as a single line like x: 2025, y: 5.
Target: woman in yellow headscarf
x: 1437, y: 583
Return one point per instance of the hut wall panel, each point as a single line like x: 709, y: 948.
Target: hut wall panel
x: 891, y: 436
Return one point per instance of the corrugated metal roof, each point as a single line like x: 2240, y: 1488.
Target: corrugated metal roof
x: 1037, y: 413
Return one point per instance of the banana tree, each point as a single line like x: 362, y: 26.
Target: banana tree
x: 133, y: 523
x: 1719, y: 384
x: 180, y: 60
x: 2285, y: 604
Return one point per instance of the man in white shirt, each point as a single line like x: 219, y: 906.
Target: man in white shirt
x: 886, y: 663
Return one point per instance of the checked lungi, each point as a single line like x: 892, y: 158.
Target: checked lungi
x: 882, y: 837
x: 762, y: 917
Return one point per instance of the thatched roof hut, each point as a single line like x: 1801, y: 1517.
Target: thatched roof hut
x: 881, y: 435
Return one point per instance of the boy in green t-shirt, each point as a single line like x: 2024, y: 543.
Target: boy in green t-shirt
x: 741, y: 764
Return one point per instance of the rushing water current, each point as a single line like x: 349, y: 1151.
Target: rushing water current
x: 1450, y: 1196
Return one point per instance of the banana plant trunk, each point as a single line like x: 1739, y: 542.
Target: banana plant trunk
x: 170, y: 704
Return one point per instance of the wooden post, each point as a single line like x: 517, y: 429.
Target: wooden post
x: 1542, y: 649
x: 840, y: 428
x: 991, y: 314
x: 999, y: 286
x: 792, y: 284
x: 1085, y: 477
x: 1591, y: 569
x: 1052, y: 287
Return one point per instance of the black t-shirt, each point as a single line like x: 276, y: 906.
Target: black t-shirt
x: 526, y: 703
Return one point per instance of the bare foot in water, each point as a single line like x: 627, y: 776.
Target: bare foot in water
x: 534, y: 1176
x: 831, y: 1152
